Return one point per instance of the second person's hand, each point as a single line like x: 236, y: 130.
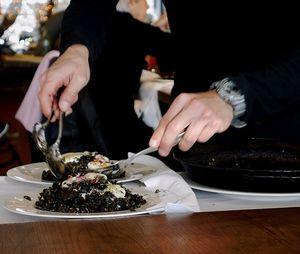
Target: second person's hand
x: 200, y: 115
x: 71, y: 72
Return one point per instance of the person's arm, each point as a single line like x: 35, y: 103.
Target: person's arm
x: 84, y: 29
x: 273, y: 90
x: 267, y: 92
x: 86, y: 22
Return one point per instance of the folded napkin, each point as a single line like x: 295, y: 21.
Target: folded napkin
x: 148, y: 93
x: 166, y: 179
x: 148, y: 76
x: 29, y: 111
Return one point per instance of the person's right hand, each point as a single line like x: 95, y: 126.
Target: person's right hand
x: 71, y: 71
x: 199, y: 115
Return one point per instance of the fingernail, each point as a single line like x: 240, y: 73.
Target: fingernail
x: 153, y: 143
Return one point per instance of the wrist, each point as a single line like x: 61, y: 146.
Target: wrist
x: 80, y: 49
x: 230, y: 93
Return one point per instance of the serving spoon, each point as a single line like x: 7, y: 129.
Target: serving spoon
x: 39, y: 136
x: 53, y: 156
x: 52, y: 153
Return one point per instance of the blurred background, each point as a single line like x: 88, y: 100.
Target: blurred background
x: 28, y: 30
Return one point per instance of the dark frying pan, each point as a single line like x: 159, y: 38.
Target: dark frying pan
x: 254, y: 165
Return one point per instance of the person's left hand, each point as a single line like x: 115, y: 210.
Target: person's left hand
x: 200, y: 115
x: 71, y: 72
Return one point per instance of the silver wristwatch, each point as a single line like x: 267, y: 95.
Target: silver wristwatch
x: 230, y: 93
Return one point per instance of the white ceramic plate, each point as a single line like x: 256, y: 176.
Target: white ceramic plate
x: 156, y: 202
x: 241, y: 194
x: 32, y: 173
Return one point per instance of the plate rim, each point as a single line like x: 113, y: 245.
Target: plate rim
x: 19, y: 179
x: 203, y: 187
x: 10, y: 172
x: 155, y: 208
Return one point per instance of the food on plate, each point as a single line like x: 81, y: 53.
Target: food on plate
x: 83, y: 162
x: 89, y: 193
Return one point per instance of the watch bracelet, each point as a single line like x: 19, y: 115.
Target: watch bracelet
x: 231, y: 94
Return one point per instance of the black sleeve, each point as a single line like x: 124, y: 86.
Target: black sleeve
x: 273, y: 90
x: 86, y: 22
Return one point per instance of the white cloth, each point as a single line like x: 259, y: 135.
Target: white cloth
x: 29, y: 111
x: 148, y: 93
x: 166, y: 179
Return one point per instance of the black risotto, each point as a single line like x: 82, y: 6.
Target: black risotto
x: 88, y: 196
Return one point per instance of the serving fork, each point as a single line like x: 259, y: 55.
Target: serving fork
x: 118, y: 167
x: 123, y: 164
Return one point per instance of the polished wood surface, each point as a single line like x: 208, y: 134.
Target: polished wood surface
x: 253, y: 231
x: 20, y: 60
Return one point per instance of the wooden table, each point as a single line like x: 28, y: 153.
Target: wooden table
x: 248, y: 231
x: 20, y: 60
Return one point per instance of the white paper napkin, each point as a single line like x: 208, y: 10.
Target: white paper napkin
x: 167, y: 179
x: 148, y: 93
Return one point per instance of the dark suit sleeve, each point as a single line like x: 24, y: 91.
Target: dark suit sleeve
x: 273, y: 90
x: 86, y: 22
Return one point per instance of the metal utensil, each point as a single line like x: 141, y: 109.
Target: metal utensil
x: 124, y: 163
x: 117, y: 167
x: 53, y: 156
x: 121, y: 165
x: 39, y: 136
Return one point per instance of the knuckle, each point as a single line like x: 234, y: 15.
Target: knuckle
x: 207, y: 114
x: 183, y: 97
x: 174, y: 128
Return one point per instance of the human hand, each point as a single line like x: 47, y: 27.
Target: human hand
x: 200, y: 115
x: 71, y: 71
x: 163, y: 23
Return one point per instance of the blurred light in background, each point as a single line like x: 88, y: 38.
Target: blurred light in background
x: 21, y: 22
